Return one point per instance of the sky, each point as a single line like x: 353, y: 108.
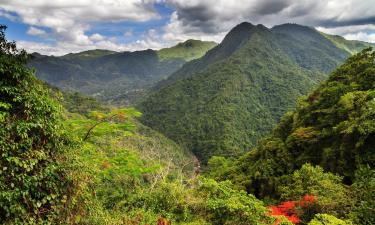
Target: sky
x: 58, y: 27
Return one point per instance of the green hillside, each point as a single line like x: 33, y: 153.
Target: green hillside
x: 351, y: 46
x: 116, y: 77
x: 224, y: 102
x: 148, y: 144
x: 188, y: 50
x: 333, y: 127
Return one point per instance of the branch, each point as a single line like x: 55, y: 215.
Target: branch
x: 95, y: 125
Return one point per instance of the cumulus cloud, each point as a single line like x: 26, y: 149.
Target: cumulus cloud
x: 215, y: 17
x: 151, y: 39
x: 69, y: 21
x: 36, y: 32
x: 97, y: 37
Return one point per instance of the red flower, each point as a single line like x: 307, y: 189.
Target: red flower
x: 288, y: 209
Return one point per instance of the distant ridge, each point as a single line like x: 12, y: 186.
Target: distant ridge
x: 117, y: 77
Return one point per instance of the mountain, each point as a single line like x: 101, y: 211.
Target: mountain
x: 117, y: 77
x: 333, y: 127
x: 224, y: 102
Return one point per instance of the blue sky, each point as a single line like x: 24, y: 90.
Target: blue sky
x: 61, y: 26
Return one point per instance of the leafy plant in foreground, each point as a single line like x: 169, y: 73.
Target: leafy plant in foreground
x: 33, y: 185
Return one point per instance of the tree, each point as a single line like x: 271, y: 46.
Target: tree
x: 364, y: 189
x: 227, y: 205
x: 32, y: 184
x: 114, y: 116
x: 325, y: 219
x: 331, y: 195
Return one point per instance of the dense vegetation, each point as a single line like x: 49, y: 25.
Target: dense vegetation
x: 333, y: 127
x: 224, y: 102
x: 33, y: 181
x: 69, y: 159
x: 116, y: 77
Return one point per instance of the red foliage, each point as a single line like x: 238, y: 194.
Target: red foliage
x: 162, y: 221
x: 288, y: 209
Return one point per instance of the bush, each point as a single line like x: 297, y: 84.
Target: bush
x: 325, y: 219
x: 33, y: 185
x: 332, y: 196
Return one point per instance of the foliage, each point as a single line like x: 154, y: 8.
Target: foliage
x: 33, y: 184
x: 218, y: 167
x: 214, y: 202
x: 75, y: 102
x: 332, y: 196
x: 293, y: 210
x: 333, y: 127
x: 364, y: 190
x: 324, y: 219
x: 226, y: 205
x: 119, y: 161
x: 224, y: 102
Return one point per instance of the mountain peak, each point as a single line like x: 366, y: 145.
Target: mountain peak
x: 239, y: 35
x: 243, y: 25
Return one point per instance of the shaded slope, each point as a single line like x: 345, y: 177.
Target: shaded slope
x: 309, y: 48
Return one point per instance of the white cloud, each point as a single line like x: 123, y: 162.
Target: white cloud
x: 151, y: 40
x: 128, y: 33
x: 36, y: 31
x: 342, y: 30
x: 368, y: 37
x: 354, y: 32
x: 97, y: 37
x: 69, y: 20
x: 213, y: 18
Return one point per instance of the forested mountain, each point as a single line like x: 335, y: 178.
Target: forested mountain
x: 224, y: 102
x: 69, y: 159
x: 117, y: 77
x: 333, y: 127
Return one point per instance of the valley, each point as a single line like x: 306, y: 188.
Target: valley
x: 271, y: 126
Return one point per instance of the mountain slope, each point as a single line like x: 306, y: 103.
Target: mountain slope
x: 188, y: 50
x: 150, y: 145
x: 351, y: 46
x: 222, y: 103
x: 120, y: 77
x: 334, y: 127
